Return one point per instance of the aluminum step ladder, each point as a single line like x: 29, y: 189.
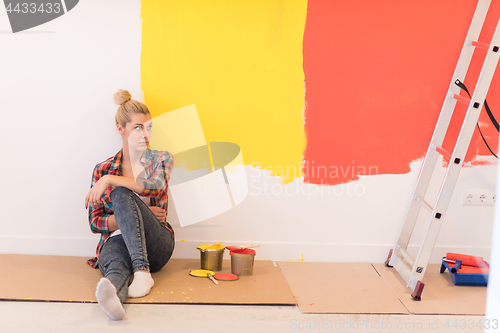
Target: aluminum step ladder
x: 413, y: 270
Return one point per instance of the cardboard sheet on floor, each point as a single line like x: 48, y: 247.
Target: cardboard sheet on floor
x: 340, y: 288
x: 440, y: 295
x: 70, y: 279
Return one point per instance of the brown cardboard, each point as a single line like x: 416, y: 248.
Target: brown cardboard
x: 440, y: 295
x: 267, y: 285
x: 319, y: 287
x: 340, y: 288
x: 70, y: 279
x: 54, y: 278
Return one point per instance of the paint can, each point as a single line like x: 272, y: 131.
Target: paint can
x: 211, y: 257
x: 242, y: 262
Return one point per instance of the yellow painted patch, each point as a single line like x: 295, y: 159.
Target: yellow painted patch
x: 177, y: 131
x: 240, y: 63
x: 201, y: 273
x: 210, y: 247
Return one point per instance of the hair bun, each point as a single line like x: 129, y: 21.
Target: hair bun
x: 121, y: 96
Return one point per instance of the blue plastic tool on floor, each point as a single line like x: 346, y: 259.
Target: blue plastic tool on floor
x: 468, y: 279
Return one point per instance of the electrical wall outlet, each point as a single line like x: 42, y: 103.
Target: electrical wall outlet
x: 478, y: 198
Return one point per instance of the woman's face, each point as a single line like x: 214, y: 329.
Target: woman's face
x: 137, y: 132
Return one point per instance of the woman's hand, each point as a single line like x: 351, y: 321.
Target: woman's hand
x: 160, y: 213
x: 94, y: 196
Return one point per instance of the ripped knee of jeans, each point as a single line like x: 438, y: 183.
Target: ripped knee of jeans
x: 118, y: 266
x: 120, y: 191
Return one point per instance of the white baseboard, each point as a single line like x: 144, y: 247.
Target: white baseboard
x: 374, y: 253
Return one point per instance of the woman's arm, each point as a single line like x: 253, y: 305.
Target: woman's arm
x: 98, y: 218
x: 159, y: 178
x: 146, y: 187
x: 152, y: 186
x: 102, y: 223
x: 127, y: 182
x: 94, y: 197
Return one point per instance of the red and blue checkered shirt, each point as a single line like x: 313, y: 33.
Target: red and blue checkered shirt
x: 158, y: 167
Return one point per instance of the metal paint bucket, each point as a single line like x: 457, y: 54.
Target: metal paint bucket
x: 242, y: 264
x: 211, y: 258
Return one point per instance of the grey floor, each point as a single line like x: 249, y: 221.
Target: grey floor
x: 40, y: 317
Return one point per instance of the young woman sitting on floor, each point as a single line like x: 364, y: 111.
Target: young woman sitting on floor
x: 127, y: 205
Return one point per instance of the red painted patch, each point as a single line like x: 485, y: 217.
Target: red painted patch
x: 376, y: 75
x: 242, y: 251
x: 226, y: 276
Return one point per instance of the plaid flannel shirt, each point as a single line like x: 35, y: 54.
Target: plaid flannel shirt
x: 158, y: 167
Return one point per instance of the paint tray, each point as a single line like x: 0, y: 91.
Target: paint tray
x: 464, y: 279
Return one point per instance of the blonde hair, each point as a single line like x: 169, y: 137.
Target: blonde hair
x: 127, y: 106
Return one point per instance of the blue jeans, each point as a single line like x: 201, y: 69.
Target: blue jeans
x: 144, y: 243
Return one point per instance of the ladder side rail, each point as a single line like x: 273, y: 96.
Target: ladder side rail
x: 460, y: 71
x: 414, y: 207
x: 461, y: 147
x: 443, y: 122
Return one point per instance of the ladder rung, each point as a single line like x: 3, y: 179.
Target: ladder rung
x: 401, y: 253
x: 402, y: 268
x: 479, y: 45
x: 423, y: 203
x: 462, y: 99
x: 441, y: 151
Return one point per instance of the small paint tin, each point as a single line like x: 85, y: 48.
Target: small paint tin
x: 242, y: 263
x: 211, y: 257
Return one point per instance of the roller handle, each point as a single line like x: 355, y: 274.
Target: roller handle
x: 249, y: 246
x: 212, y: 278
x: 212, y: 244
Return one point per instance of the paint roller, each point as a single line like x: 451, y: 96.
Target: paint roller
x: 467, y: 260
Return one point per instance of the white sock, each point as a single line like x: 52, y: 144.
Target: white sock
x: 142, y: 284
x: 108, y: 299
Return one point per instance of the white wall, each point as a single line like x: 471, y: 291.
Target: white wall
x: 57, y: 81
x: 56, y: 86
x: 493, y: 292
